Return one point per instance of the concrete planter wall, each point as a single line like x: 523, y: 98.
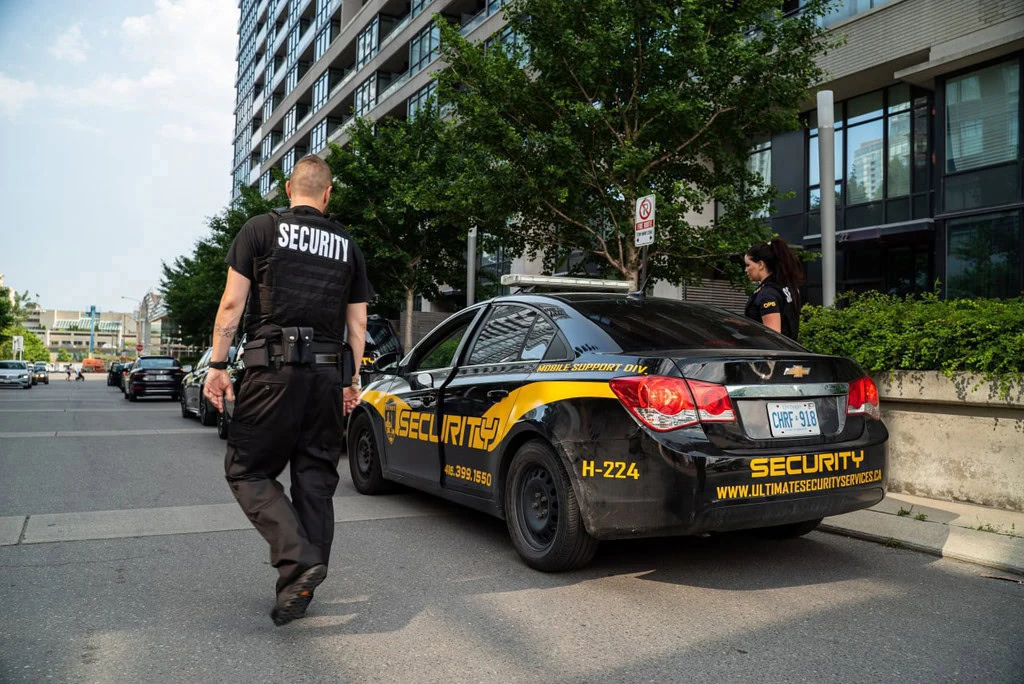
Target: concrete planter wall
x: 954, y: 439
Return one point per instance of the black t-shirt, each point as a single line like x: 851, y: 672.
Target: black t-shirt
x: 771, y: 298
x: 256, y: 239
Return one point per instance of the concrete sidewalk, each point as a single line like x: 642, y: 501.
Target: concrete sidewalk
x: 977, y: 534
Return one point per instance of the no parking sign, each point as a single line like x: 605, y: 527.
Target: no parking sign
x: 643, y: 221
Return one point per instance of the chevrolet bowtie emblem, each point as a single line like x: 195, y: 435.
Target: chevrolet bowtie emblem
x: 797, y: 371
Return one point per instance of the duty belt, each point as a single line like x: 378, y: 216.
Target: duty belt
x: 277, y: 353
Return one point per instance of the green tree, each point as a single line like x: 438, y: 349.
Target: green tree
x: 399, y: 191
x: 63, y: 356
x: 193, y: 284
x: 6, y: 313
x: 34, y: 349
x: 625, y: 98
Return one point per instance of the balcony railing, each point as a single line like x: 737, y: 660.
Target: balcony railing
x: 395, y: 30
x: 395, y: 85
x: 479, y: 18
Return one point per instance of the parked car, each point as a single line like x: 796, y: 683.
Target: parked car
x: 154, y: 376
x: 582, y: 417
x: 114, y: 374
x: 122, y: 381
x: 192, y: 400
x: 40, y: 374
x: 15, y: 374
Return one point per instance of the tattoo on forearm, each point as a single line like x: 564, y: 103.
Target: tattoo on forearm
x: 227, y: 331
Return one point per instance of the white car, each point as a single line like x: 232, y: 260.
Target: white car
x: 15, y: 374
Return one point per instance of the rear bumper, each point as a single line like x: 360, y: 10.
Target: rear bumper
x: 155, y: 388
x: 705, y: 490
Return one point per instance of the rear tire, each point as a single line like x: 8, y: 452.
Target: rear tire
x: 364, y: 458
x: 207, y: 416
x: 542, y: 514
x: 184, y: 408
x: 790, y: 531
x: 131, y: 396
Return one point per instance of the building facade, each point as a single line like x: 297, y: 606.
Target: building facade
x: 928, y: 162
x: 113, y: 333
x: 929, y: 168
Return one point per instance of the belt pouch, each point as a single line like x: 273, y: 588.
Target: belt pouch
x: 256, y: 355
x: 290, y: 342
x: 306, y: 346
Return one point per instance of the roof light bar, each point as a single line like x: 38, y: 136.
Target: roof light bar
x: 522, y: 280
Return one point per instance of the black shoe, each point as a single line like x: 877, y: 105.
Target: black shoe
x: 294, y: 598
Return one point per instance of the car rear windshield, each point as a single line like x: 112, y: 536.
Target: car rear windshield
x: 12, y: 365
x: 664, y: 324
x: 158, y: 363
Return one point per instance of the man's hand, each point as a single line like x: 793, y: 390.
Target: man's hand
x: 217, y: 388
x: 349, y: 400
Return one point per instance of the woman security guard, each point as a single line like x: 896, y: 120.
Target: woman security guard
x: 776, y: 302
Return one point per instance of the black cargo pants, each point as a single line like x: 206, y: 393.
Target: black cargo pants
x: 288, y: 416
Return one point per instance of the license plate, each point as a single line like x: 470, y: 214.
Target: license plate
x: 161, y: 377
x: 789, y: 419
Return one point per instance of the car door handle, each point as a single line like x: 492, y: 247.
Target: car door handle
x: 426, y: 401
x: 497, y: 394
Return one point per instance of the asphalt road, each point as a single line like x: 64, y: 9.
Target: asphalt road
x: 426, y: 591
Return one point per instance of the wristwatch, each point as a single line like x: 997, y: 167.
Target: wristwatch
x: 219, y: 365
x: 356, y: 384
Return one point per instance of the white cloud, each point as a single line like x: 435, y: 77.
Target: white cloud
x: 70, y: 45
x: 185, y: 51
x: 78, y: 126
x: 14, y: 93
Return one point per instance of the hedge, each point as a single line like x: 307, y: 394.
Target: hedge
x: 887, y: 332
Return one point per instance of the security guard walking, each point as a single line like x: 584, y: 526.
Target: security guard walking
x: 301, y: 281
x: 776, y: 302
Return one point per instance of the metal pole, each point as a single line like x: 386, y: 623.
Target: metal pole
x: 826, y: 162
x: 471, y: 268
x: 643, y: 269
x: 92, y: 328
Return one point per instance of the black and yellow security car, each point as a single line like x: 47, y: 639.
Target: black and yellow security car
x: 583, y: 417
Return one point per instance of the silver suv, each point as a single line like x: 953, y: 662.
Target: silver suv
x: 15, y: 374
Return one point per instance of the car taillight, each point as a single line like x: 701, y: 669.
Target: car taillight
x: 663, y: 403
x: 863, y: 399
x: 713, y: 404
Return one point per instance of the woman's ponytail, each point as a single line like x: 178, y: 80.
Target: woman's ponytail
x: 782, y: 263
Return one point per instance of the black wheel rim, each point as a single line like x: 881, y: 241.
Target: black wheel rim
x: 364, y: 453
x: 539, y: 508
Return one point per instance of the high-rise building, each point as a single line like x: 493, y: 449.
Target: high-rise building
x: 307, y: 68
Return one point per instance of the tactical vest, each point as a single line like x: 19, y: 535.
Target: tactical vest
x: 790, y: 314
x: 305, y: 279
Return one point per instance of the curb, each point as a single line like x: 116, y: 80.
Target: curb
x: 998, y: 551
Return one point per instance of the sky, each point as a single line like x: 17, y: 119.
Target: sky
x: 116, y: 128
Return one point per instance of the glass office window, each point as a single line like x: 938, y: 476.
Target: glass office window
x: 366, y: 96
x: 367, y: 42
x: 982, y: 117
x: 424, y: 47
x: 421, y: 99
x: 318, y: 137
x: 983, y: 257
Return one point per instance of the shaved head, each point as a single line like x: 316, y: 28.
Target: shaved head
x: 310, y: 177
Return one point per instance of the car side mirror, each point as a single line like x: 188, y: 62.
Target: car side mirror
x: 425, y: 379
x: 186, y: 369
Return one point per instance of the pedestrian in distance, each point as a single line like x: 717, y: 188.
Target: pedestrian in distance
x: 301, y: 281
x: 776, y: 301
x: 67, y: 369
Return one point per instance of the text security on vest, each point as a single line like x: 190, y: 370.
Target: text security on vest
x: 312, y: 241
